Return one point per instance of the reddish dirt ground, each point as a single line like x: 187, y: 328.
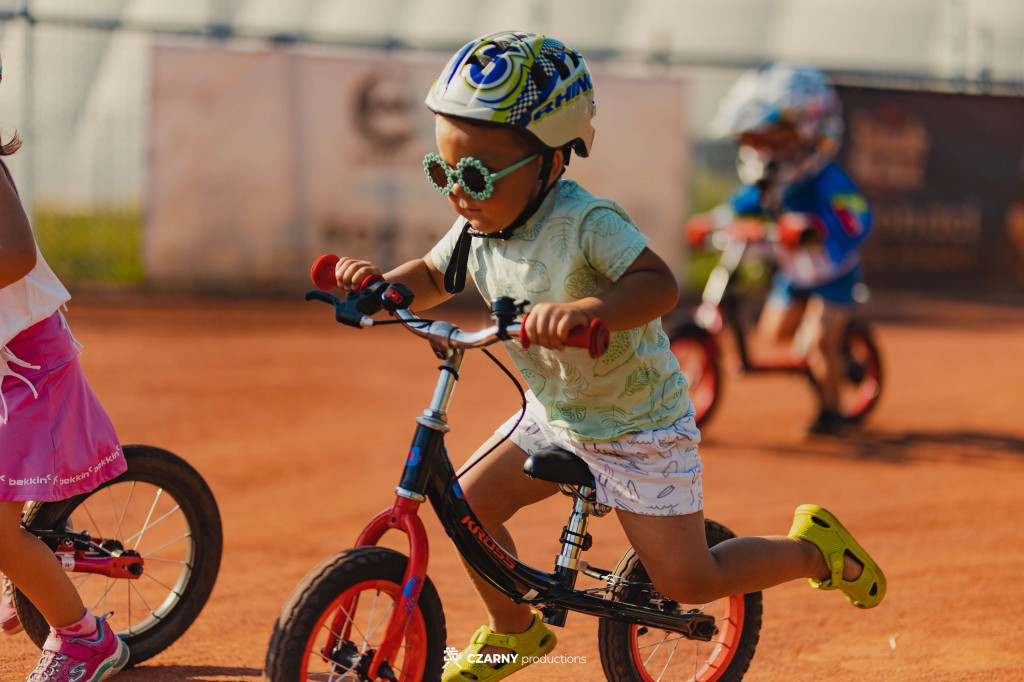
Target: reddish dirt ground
x: 301, y: 426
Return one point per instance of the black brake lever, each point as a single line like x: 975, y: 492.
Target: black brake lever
x: 321, y: 296
x: 345, y: 311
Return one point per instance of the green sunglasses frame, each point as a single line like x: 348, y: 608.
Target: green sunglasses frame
x: 455, y: 175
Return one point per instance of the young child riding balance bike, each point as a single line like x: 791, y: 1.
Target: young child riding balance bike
x: 510, y: 110
x: 787, y: 121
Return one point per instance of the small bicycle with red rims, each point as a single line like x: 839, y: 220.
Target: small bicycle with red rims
x: 696, y: 339
x: 371, y: 613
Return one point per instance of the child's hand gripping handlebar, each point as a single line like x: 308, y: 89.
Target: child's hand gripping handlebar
x: 594, y: 337
x: 396, y: 299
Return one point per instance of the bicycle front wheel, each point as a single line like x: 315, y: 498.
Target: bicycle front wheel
x: 335, y: 620
x: 160, y: 508
x: 697, y: 353
x: 636, y: 653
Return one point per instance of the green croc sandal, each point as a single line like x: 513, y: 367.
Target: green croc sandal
x: 472, y: 666
x: 819, y: 527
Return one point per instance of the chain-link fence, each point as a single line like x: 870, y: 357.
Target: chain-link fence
x: 77, y: 96
x: 79, y: 78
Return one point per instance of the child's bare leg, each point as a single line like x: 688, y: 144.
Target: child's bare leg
x: 825, y: 358
x: 34, y: 570
x: 693, y: 574
x: 776, y: 326
x: 495, y: 489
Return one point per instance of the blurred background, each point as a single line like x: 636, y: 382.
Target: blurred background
x: 220, y: 145
x: 181, y: 151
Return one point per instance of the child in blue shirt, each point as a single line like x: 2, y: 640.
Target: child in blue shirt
x: 787, y: 120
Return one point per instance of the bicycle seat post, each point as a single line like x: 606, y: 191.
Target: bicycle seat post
x: 575, y: 540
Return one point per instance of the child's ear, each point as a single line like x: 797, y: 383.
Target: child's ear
x: 556, y: 166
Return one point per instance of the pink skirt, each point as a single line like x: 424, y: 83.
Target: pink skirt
x: 58, y: 441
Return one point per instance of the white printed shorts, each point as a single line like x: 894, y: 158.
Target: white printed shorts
x: 656, y: 473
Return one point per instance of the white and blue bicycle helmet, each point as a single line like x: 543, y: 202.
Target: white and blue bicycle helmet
x: 794, y: 94
x: 525, y: 81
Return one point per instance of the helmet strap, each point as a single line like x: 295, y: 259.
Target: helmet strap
x: 455, y: 273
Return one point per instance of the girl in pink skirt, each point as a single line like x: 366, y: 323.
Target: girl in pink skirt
x: 55, y: 442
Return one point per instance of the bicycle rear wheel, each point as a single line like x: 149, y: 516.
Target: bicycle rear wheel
x: 636, y: 653
x: 161, y: 508
x: 860, y: 386
x: 335, y: 619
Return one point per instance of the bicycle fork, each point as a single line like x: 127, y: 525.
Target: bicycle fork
x: 404, y: 516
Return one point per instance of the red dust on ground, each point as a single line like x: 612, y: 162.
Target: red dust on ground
x: 301, y: 427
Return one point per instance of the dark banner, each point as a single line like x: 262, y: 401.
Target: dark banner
x: 944, y: 175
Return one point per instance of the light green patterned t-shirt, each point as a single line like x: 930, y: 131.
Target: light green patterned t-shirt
x: 577, y: 245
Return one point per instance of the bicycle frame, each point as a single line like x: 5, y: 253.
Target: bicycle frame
x: 82, y: 553
x: 429, y: 474
x: 718, y: 309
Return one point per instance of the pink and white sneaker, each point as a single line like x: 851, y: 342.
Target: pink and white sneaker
x: 10, y: 624
x: 71, y: 659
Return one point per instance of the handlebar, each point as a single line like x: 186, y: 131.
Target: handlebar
x: 791, y: 231
x: 374, y: 294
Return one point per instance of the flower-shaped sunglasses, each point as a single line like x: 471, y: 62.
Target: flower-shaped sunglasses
x: 474, y: 177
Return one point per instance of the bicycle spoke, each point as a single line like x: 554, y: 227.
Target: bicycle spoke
x: 103, y: 596
x: 145, y: 524
x: 384, y: 619
x: 669, y: 661
x: 171, y: 590
x: 662, y: 641
x: 180, y: 562
x: 135, y: 588
x: 168, y: 544
x: 94, y: 525
x: 124, y: 511
x: 349, y: 620
x: 152, y: 525
x: 369, y: 627
x: 656, y: 647
x: 130, y: 611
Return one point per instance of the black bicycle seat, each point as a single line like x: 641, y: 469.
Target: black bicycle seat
x: 558, y: 466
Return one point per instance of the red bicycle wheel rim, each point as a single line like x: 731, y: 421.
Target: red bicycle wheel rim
x: 730, y: 630
x: 414, y: 638
x: 702, y: 391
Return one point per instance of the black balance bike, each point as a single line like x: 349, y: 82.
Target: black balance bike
x: 371, y: 613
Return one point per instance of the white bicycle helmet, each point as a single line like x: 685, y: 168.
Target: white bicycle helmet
x: 795, y: 94
x: 520, y: 80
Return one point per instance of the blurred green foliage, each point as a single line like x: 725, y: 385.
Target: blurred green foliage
x: 101, y: 246
x: 710, y: 188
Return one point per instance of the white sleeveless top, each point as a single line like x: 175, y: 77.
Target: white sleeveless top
x: 31, y: 299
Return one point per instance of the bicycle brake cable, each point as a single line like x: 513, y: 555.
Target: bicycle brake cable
x: 503, y: 368
x: 522, y: 413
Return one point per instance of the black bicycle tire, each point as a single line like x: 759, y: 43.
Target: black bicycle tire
x: 613, y: 636
x: 178, y: 478
x: 323, y: 585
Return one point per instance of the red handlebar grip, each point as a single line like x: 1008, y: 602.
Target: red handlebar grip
x: 322, y: 272
x: 594, y: 337
x: 370, y: 279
